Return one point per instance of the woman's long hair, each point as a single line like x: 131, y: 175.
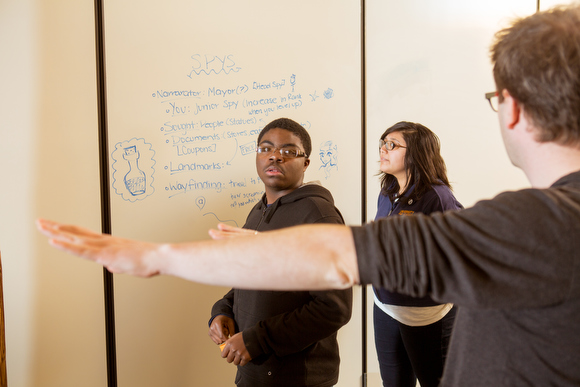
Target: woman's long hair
x: 424, y: 165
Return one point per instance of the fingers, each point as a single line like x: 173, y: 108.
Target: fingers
x: 45, y: 224
x: 221, y: 328
x: 218, y: 332
x: 46, y: 227
x: 54, y: 229
x: 220, y: 233
x: 216, y: 234
x: 72, y: 239
x: 216, y: 337
x: 69, y: 247
x: 234, y: 230
x: 222, y: 226
x: 235, y: 351
x: 233, y: 356
x: 231, y: 328
x: 118, y: 255
x: 225, y: 231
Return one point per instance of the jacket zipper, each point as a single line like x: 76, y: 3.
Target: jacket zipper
x: 262, y: 218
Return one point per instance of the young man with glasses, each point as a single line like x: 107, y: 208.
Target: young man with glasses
x: 283, y: 338
x: 511, y: 264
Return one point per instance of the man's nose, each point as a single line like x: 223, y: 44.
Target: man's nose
x: 276, y: 155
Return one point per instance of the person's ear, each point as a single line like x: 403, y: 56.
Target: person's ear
x: 306, y: 163
x: 512, y: 109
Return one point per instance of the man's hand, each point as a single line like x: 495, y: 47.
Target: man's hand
x: 224, y: 231
x: 118, y: 255
x: 221, y: 328
x: 235, y: 350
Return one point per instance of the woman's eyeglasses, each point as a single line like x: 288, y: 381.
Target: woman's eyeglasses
x: 389, y: 145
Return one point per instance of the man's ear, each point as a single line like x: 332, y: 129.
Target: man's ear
x: 306, y: 163
x: 512, y: 109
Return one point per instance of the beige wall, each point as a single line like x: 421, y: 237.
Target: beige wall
x: 54, y: 304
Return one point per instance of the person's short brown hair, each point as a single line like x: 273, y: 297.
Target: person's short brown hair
x: 537, y: 60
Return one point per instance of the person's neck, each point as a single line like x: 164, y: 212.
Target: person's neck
x: 272, y: 195
x: 402, y: 180
x: 549, y: 162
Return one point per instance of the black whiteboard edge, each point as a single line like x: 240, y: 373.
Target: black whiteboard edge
x: 104, y: 188
x: 364, y: 348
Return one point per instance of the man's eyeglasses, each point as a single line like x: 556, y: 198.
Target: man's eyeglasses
x: 389, y: 145
x: 287, y: 153
x: 493, y: 99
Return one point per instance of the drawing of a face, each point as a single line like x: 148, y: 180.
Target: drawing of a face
x: 327, y: 154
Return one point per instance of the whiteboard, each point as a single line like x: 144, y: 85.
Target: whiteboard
x: 189, y: 86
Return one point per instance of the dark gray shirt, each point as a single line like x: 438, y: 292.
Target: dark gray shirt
x: 512, y: 265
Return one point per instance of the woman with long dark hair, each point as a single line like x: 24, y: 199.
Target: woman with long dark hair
x: 412, y: 334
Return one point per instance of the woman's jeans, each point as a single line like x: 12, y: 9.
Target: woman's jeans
x: 408, y: 353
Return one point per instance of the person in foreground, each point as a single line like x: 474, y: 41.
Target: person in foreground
x: 412, y: 333
x: 283, y: 338
x: 511, y: 264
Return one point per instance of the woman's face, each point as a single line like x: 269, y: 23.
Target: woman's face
x: 393, y: 161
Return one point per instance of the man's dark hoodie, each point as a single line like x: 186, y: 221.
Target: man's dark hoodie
x: 291, y: 336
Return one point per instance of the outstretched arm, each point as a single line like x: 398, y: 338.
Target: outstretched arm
x: 308, y: 257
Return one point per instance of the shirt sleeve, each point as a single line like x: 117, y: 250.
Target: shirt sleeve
x: 224, y: 306
x: 499, y: 253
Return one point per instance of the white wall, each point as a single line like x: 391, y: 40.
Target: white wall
x: 428, y: 62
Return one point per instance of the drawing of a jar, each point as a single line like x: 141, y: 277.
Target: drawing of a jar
x: 135, y: 178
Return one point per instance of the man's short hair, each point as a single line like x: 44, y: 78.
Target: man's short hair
x: 291, y: 126
x: 537, y: 60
